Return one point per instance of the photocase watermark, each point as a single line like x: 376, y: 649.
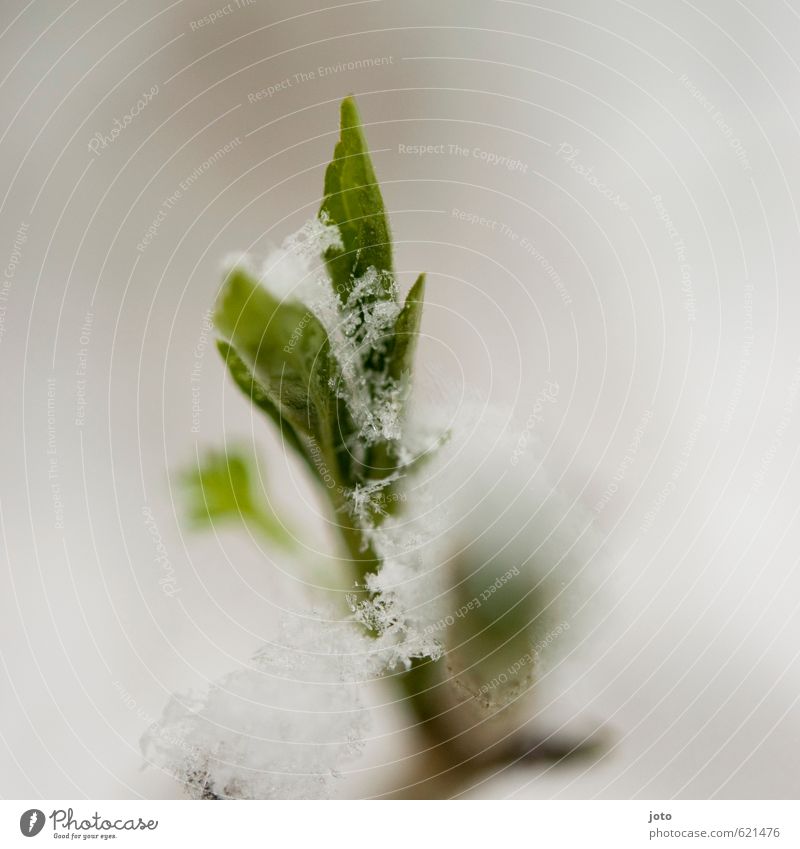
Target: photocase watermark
x: 370, y: 497
x: 219, y: 14
x: 32, y: 822
x: 206, y: 329
x: 464, y: 151
x: 320, y: 72
x: 479, y: 220
x: 130, y: 702
x: 748, y: 338
x: 315, y: 453
x: 9, y: 272
x: 680, y: 252
x: 734, y: 142
x: 100, y: 141
x: 67, y: 826
x: 524, y: 243
x: 168, y: 581
x: 768, y: 457
x: 626, y: 462
x: 547, y: 395
x: 170, y: 202
x: 473, y: 604
x: 678, y: 470
x: 297, y: 333
x: 154, y: 727
x: 81, y: 369
x: 52, y: 456
x: 530, y: 658
x: 569, y: 154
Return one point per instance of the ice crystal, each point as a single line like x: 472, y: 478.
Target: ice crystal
x: 295, y: 269
x: 358, y: 329
x: 358, y: 325
x: 470, y: 524
x: 279, y: 728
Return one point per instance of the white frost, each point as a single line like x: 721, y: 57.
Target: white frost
x: 468, y: 517
x: 280, y: 728
x: 356, y: 325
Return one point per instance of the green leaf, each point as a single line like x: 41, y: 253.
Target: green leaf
x: 256, y: 393
x: 221, y: 488
x: 505, y: 615
x: 286, y: 351
x: 406, y: 332
x: 218, y: 487
x: 353, y: 202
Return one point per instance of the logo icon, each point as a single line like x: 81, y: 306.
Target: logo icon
x: 31, y: 822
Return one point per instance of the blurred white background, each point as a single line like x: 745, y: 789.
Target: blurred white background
x: 641, y: 252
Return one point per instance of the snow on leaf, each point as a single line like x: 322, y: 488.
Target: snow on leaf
x: 353, y: 202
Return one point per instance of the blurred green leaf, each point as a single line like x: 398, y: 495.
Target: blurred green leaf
x: 504, y: 615
x: 222, y: 488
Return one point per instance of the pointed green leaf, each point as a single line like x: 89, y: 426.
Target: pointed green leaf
x: 353, y: 202
x: 256, y: 393
x: 406, y: 332
x: 284, y: 347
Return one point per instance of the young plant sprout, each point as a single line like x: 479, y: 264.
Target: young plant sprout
x: 461, y: 575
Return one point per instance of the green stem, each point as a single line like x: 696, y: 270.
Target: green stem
x: 420, y: 684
